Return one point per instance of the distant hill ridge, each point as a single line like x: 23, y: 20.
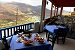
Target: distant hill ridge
x: 10, y: 9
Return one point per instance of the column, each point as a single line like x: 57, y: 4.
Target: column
x: 57, y: 11
x: 41, y: 24
x: 61, y: 11
x: 62, y: 21
x: 51, y: 10
x: 43, y: 9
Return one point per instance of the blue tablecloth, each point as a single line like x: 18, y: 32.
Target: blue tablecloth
x: 51, y: 28
x: 37, y: 46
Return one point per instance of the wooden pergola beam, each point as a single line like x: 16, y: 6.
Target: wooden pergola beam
x: 64, y: 3
x: 53, y: 2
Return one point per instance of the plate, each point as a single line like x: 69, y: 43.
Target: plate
x: 40, y: 41
x: 26, y: 35
x: 19, y: 40
x: 19, y: 35
x: 27, y: 42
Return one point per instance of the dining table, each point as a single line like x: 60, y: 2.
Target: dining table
x: 34, y: 46
x: 53, y: 29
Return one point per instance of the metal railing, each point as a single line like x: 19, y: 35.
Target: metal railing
x: 8, y: 32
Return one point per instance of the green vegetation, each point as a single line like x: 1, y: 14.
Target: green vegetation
x: 9, y: 22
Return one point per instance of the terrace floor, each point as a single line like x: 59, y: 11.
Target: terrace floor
x: 69, y: 44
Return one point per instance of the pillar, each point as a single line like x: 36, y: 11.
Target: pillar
x: 51, y: 10
x: 61, y: 11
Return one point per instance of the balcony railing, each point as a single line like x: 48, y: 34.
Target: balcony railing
x: 10, y: 30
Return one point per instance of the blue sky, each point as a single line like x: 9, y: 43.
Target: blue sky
x: 36, y: 3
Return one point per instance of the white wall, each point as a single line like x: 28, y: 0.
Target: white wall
x: 41, y: 26
x: 36, y: 27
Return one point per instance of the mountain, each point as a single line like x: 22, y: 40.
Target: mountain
x: 25, y: 8
x: 9, y: 10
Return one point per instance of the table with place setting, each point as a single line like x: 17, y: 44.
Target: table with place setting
x: 56, y: 31
x: 51, y: 28
x: 35, y: 42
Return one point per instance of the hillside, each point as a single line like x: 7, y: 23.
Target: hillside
x: 9, y: 10
x: 20, y: 13
x: 25, y: 8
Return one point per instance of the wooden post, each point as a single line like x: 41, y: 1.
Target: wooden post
x: 61, y: 11
x: 61, y: 15
x: 43, y: 9
x: 41, y: 25
x: 51, y: 10
x: 57, y: 11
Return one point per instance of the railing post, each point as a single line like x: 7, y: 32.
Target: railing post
x: 11, y: 30
x: 8, y: 31
x: 14, y: 29
x: 4, y: 32
x: 28, y: 26
x: 0, y: 34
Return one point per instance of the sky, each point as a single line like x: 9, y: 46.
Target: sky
x: 36, y: 3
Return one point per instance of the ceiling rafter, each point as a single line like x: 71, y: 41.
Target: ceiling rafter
x: 64, y: 3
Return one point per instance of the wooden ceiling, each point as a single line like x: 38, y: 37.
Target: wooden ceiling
x: 64, y: 3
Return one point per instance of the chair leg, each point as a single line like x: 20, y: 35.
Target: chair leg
x: 53, y: 42
x: 46, y: 34
x: 48, y: 37
x: 63, y: 40
x: 57, y: 40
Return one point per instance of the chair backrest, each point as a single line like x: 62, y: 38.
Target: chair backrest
x: 62, y: 31
x: 52, y: 38
x: 1, y: 45
x: 4, y: 41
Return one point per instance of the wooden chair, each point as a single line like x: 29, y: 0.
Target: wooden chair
x: 4, y: 41
x: 62, y: 32
x: 15, y: 33
x: 51, y: 37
